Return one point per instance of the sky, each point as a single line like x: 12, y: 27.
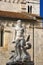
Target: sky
x: 41, y: 8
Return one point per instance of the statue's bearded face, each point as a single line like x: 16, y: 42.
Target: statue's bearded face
x: 19, y: 23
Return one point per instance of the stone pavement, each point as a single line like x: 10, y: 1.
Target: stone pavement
x: 4, y: 56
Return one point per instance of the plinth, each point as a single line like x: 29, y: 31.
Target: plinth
x: 20, y: 63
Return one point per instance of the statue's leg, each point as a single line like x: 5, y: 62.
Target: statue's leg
x: 22, y: 42
x: 16, y: 47
x: 17, y: 51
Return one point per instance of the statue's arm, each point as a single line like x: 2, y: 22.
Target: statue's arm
x: 14, y: 37
x: 24, y: 32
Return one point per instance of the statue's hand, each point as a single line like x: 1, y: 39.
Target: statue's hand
x: 13, y: 51
x: 13, y: 42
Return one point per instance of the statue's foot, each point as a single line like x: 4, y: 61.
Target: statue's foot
x: 10, y: 61
x: 17, y: 59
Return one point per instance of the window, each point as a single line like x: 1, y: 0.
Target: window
x: 1, y: 36
x: 29, y: 9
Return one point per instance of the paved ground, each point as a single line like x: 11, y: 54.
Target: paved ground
x: 4, y: 56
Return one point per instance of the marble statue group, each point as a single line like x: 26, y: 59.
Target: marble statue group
x: 21, y: 45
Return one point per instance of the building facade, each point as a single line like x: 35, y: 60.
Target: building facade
x: 30, y: 6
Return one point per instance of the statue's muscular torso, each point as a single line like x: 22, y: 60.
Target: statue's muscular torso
x: 19, y: 32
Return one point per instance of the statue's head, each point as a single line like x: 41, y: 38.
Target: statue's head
x: 19, y: 22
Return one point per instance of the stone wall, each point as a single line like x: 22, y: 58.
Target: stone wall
x: 5, y: 6
x: 38, y: 46
x: 8, y: 5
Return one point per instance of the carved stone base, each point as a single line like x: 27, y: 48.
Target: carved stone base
x: 20, y: 63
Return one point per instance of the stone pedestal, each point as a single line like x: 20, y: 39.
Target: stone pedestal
x: 20, y: 63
